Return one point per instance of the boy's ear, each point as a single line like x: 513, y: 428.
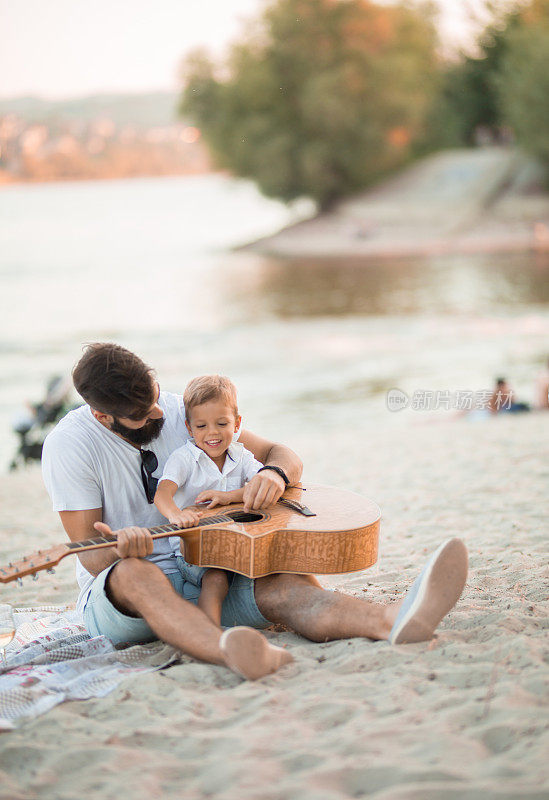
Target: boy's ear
x: 237, y: 422
x: 188, y: 426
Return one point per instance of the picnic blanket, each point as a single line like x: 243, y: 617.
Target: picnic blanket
x: 52, y: 658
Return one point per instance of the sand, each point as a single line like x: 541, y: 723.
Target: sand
x: 460, y: 717
x: 482, y: 200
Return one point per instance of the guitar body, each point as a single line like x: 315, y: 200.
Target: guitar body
x: 342, y: 536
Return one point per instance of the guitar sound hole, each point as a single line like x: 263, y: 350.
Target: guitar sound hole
x: 244, y: 516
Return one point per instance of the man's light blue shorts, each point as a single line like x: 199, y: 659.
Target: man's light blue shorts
x: 101, y: 618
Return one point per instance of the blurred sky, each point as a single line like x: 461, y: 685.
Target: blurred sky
x: 65, y: 48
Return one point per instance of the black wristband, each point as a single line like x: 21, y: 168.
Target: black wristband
x: 278, y: 470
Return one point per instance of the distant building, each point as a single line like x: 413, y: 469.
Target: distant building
x: 96, y: 148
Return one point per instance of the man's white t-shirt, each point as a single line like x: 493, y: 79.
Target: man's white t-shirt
x: 86, y: 466
x: 193, y: 471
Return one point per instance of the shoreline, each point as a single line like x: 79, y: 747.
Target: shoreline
x: 17, y: 181
x: 527, y: 242
x: 452, y: 202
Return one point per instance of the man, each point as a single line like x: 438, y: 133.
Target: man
x: 100, y: 479
x: 542, y: 388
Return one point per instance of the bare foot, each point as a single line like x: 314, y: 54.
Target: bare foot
x: 248, y: 653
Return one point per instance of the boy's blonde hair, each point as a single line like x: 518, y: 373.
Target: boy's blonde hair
x: 209, y: 387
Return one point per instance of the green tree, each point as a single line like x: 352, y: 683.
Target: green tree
x: 322, y: 97
x: 468, y: 96
x: 522, y: 84
x: 485, y: 90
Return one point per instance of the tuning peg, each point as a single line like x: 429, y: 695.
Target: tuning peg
x: 35, y: 576
x: 19, y: 581
x: 50, y: 571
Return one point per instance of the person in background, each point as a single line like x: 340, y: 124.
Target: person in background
x: 542, y: 388
x: 503, y: 399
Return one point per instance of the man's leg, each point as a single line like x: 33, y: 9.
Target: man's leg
x: 299, y: 602
x: 137, y: 587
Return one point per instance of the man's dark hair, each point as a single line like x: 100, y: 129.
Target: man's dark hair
x: 115, y: 381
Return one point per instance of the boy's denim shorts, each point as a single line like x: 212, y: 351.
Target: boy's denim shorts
x: 101, y: 618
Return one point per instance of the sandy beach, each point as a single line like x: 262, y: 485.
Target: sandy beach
x: 343, y: 207
x: 461, y: 717
x: 463, y: 201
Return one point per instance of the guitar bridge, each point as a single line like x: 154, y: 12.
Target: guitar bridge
x: 297, y: 507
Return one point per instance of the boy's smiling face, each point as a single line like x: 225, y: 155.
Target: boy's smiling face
x: 212, y: 426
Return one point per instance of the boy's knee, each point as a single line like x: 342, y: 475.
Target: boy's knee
x: 215, y: 577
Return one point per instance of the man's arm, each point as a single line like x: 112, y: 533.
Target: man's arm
x: 266, y: 487
x: 132, y: 542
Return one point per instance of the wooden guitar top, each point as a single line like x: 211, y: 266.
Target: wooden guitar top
x: 342, y: 536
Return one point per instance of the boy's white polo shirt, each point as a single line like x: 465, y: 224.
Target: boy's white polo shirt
x: 193, y: 471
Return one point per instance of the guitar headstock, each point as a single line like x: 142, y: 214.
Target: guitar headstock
x: 29, y: 565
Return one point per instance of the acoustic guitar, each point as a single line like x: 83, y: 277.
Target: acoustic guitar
x: 312, y: 529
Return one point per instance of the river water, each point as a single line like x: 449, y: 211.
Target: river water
x: 311, y: 344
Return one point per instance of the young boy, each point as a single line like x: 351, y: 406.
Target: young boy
x: 210, y: 467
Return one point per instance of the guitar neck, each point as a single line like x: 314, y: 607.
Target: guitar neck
x: 48, y: 558
x: 158, y: 532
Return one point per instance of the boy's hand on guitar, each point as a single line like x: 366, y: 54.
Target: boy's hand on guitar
x: 263, y: 490
x: 132, y: 542
x: 186, y: 517
x: 215, y: 498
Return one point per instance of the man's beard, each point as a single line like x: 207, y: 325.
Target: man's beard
x: 139, y: 436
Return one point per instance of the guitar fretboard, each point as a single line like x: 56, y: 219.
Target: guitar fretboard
x: 158, y: 531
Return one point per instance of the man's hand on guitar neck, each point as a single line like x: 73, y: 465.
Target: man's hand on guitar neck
x: 132, y: 542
